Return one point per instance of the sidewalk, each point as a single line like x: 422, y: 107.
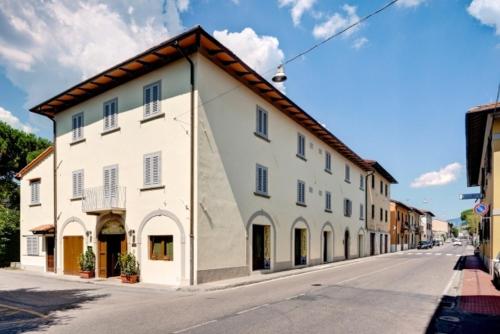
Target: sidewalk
x: 478, y: 294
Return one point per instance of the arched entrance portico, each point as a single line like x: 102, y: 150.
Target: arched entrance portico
x: 111, y: 242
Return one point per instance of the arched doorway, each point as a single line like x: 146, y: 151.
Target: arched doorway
x: 346, y: 244
x: 112, y: 241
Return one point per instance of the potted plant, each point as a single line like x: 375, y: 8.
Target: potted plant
x: 87, y: 263
x: 129, y: 268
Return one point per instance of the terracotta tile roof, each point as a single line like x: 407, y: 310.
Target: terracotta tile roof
x: 41, y: 229
x: 35, y: 162
x: 192, y: 41
x: 381, y: 170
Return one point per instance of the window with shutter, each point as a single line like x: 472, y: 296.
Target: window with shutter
x: 328, y: 162
x: 361, y: 211
x: 110, y: 181
x: 347, y: 173
x: 261, y: 179
x: 35, y: 191
x: 77, y: 182
x: 347, y: 208
x: 77, y: 125
x: 152, y: 97
x: 110, y: 114
x: 301, y: 192
x: 301, y: 145
x: 328, y: 201
x: 152, y: 169
x: 261, y: 122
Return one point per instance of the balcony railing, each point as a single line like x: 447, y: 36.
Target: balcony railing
x: 103, y: 199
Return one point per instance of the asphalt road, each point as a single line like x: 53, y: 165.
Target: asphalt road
x: 395, y: 293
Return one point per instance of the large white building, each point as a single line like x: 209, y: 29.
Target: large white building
x: 186, y: 157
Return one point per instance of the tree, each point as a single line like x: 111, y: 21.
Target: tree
x: 471, y: 219
x: 17, y: 149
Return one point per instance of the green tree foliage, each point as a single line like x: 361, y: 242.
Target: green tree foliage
x: 17, y: 149
x: 471, y: 219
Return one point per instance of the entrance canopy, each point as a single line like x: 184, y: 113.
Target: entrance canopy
x: 43, y: 229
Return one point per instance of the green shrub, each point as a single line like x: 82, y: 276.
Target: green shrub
x: 87, y: 260
x: 128, y: 264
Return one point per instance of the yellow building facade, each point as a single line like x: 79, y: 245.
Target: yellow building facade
x: 483, y: 169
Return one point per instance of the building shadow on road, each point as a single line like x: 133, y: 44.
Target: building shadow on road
x: 466, y: 314
x: 23, y: 310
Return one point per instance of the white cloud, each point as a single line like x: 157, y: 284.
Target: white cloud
x: 262, y: 53
x: 336, y: 23
x: 360, y: 42
x: 7, y: 117
x: 299, y: 7
x: 409, y: 3
x: 487, y: 12
x: 47, y: 46
x: 445, y: 175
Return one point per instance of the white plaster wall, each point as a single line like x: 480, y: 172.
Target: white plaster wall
x: 228, y: 152
x: 162, y: 272
x: 126, y: 148
x: 32, y: 216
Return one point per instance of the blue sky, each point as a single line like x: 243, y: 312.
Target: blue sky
x: 395, y: 90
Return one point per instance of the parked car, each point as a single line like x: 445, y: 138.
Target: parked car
x: 424, y: 245
x: 496, y: 271
x: 457, y: 242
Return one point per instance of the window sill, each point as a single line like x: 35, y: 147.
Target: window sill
x: 152, y: 117
x: 301, y: 204
x: 362, y: 189
x: 108, y: 131
x: 78, y: 141
x: 329, y: 171
x: 328, y: 210
x: 73, y: 199
x: 262, y: 136
x: 261, y: 194
x: 152, y: 188
x: 347, y: 181
x: 301, y: 157
x: 35, y: 204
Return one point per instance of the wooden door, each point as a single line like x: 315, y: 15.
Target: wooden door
x: 102, y: 256
x: 49, y: 248
x: 73, y: 247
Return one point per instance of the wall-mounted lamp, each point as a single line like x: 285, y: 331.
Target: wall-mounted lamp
x: 89, y: 236
x: 131, y: 233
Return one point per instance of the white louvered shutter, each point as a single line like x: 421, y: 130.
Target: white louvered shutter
x: 156, y: 99
x: 112, y: 111
x: 147, y: 170
x: 147, y: 101
x: 107, y: 183
x: 79, y: 184
x: 155, y: 169
x: 107, y: 115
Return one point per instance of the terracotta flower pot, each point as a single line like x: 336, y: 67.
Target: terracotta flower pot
x: 129, y: 278
x: 87, y: 274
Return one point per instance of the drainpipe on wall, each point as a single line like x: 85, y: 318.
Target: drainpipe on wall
x: 54, y: 171
x: 191, y: 195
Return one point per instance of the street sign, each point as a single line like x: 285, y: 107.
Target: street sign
x: 481, y: 209
x: 471, y: 196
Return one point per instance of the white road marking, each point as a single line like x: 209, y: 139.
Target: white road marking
x: 448, y: 286
x: 438, y: 253
x: 448, y: 254
x: 428, y: 253
x: 419, y: 253
x: 195, y: 326
x: 295, y: 297
x: 373, y: 272
x: 251, y: 309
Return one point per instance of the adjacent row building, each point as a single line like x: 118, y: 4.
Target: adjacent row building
x: 186, y: 157
x: 482, y: 130
x: 409, y: 225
